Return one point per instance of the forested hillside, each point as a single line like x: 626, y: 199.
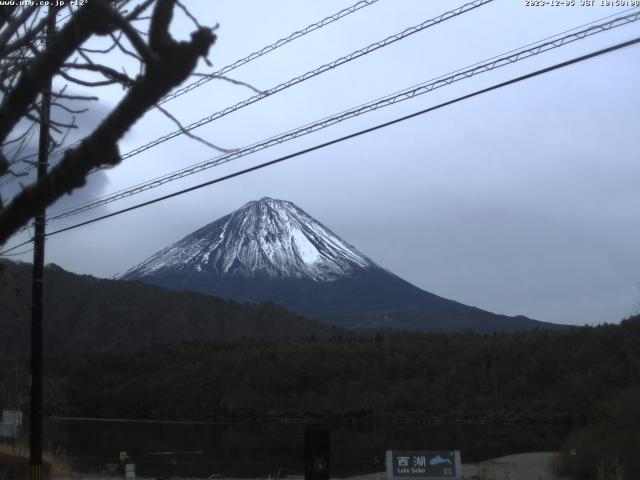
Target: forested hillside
x: 83, y: 313
x: 550, y: 376
x: 587, y: 378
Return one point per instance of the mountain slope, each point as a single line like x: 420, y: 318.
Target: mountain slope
x: 84, y: 313
x: 271, y: 238
x: 272, y: 250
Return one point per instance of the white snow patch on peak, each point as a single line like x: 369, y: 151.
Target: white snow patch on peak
x: 304, y: 248
x: 264, y: 237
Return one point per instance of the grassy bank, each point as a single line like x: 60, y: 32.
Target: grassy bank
x: 15, y: 465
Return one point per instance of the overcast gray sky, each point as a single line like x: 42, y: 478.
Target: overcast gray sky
x: 524, y: 201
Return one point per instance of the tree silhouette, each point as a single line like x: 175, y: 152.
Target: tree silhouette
x: 27, y: 63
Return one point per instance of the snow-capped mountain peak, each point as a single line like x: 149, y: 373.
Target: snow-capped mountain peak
x: 268, y: 237
x: 270, y: 250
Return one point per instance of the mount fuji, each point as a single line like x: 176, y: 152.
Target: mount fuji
x: 271, y: 250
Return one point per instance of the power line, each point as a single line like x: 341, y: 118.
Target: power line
x: 311, y: 74
x: 294, y: 81
x: 15, y: 247
x: 267, y: 49
x: 17, y: 254
x: 232, y: 66
x: 346, y: 137
x: 420, y: 89
x: 602, y: 27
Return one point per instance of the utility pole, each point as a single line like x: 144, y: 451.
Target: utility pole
x: 37, y: 294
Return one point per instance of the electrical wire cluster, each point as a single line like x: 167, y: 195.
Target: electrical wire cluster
x: 493, y: 63
x: 228, y: 68
x: 403, y: 95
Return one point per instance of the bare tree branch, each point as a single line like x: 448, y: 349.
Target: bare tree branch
x: 147, y: 54
x: 124, y: 49
x: 69, y: 110
x: 191, y: 135
x: 107, y: 72
x: 75, y: 97
x: 230, y: 80
x: 136, y: 12
x: 188, y: 14
x: 171, y: 63
x: 82, y: 25
x: 86, y: 83
x: 25, y: 40
x: 14, y: 25
x: 103, y: 51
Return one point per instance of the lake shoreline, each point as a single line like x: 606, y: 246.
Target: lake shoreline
x: 356, y: 419
x: 522, y: 466
x: 258, y: 446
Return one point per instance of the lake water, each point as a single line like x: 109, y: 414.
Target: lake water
x: 256, y: 450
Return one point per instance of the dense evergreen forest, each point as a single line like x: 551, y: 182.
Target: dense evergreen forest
x: 588, y: 377
x: 570, y: 375
x: 261, y: 362
x: 84, y: 313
